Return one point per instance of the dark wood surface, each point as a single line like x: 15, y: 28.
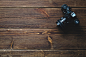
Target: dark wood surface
x: 28, y: 29
x: 41, y: 39
x: 42, y: 3
x: 35, y: 17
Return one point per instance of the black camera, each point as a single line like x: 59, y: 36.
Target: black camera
x: 68, y: 18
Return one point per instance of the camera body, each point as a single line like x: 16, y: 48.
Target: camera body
x: 68, y: 18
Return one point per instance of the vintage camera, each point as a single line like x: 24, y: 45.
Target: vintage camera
x: 68, y: 18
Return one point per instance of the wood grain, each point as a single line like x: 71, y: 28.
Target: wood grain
x: 43, y: 53
x: 35, y: 17
x: 31, y: 42
x: 38, y: 39
x: 42, y: 3
x: 23, y: 40
x: 28, y: 29
x: 5, y: 42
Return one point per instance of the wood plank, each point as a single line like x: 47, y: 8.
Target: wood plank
x: 42, y: 3
x: 35, y: 17
x: 45, y: 39
x: 21, y: 40
x: 43, y: 53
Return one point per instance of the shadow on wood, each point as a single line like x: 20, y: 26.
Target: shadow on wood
x: 71, y: 38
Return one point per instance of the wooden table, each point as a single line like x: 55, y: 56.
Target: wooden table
x: 28, y: 29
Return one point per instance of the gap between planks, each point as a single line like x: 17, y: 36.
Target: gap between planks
x: 35, y: 50
x: 39, y: 7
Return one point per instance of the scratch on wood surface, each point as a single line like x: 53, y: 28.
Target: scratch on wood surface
x: 43, y: 11
x: 34, y: 33
x: 43, y: 52
x: 44, y: 32
x: 50, y: 40
x: 11, y: 46
x: 30, y: 33
x: 49, y: 33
